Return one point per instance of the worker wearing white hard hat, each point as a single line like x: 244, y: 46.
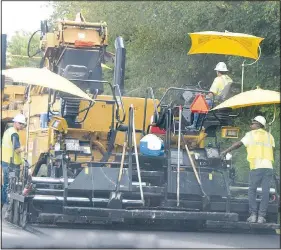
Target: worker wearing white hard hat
x: 221, y: 67
x: 259, y: 144
x: 11, y: 153
x: 260, y: 119
x: 20, y: 118
x: 221, y: 81
x: 219, y: 90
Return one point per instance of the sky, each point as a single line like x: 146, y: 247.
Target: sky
x: 23, y: 15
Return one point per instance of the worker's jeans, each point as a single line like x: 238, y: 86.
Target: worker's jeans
x: 196, y: 115
x: 5, y: 184
x: 257, y: 177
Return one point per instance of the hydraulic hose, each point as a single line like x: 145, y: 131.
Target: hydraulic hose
x: 28, y: 46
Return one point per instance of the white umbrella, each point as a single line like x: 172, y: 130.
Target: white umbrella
x: 45, y: 78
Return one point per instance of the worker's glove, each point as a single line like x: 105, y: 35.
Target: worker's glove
x: 30, y: 172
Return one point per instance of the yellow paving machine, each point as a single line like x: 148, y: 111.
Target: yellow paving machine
x: 92, y: 161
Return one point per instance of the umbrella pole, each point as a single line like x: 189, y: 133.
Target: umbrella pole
x: 273, y: 119
x: 243, y: 68
x: 242, y: 80
x: 28, y: 122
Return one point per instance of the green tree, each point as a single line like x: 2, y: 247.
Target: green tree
x: 17, y: 50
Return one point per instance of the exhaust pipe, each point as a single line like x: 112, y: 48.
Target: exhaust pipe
x: 119, y: 65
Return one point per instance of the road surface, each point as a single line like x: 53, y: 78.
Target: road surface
x: 55, y: 237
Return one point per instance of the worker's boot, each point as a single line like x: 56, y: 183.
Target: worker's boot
x: 261, y: 219
x: 252, y: 218
x: 192, y: 126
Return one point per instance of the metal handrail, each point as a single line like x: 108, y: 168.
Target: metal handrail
x: 116, y: 87
x: 183, y: 89
x: 149, y: 90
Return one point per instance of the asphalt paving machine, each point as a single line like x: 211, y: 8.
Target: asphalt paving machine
x: 188, y: 183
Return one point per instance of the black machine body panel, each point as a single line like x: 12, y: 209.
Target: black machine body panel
x: 209, y: 168
x: 100, y: 179
x: 213, y: 183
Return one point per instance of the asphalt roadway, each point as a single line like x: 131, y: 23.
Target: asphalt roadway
x: 122, y: 237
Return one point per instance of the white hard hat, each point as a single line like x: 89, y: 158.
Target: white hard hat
x: 19, y: 118
x: 260, y: 119
x: 221, y: 66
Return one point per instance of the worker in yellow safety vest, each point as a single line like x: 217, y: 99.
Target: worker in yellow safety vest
x: 11, y: 153
x: 259, y: 144
x: 220, y: 82
x: 219, y: 89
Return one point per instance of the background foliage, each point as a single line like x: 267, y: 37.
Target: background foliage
x: 157, y: 41
x: 17, y: 50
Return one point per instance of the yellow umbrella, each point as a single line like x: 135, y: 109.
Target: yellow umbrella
x: 225, y: 43
x: 251, y: 98
x: 45, y: 78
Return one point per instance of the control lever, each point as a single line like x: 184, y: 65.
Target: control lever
x: 27, y: 178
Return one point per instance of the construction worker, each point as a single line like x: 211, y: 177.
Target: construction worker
x: 221, y: 81
x: 259, y: 144
x: 11, y: 153
x: 220, y: 88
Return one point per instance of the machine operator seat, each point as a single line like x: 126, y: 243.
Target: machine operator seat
x: 69, y: 103
x: 221, y: 115
x: 77, y: 72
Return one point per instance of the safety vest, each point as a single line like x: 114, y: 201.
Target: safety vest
x: 222, y: 81
x: 260, y: 145
x: 7, y: 147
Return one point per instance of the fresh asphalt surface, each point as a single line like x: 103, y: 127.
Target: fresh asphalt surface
x: 122, y: 237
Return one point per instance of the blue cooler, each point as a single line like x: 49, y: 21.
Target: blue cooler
x: 151, y: 145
